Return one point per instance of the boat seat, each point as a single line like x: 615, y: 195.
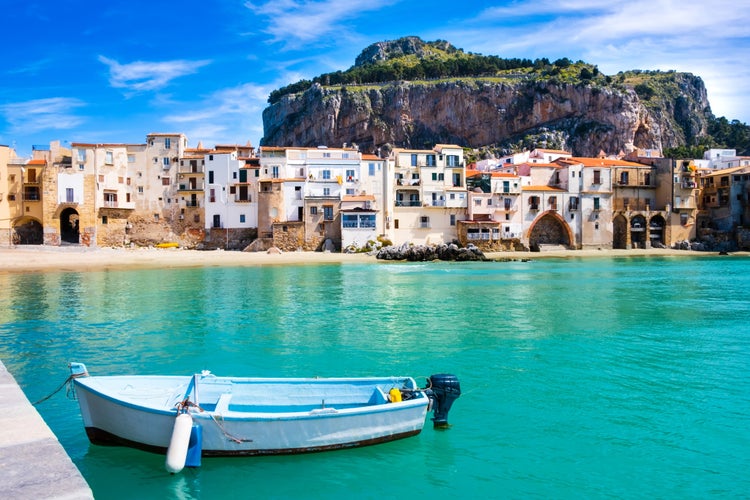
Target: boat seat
x: 378, y: 397
x: 222, y: 405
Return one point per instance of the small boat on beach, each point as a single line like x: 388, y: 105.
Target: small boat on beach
x: 231, y: 416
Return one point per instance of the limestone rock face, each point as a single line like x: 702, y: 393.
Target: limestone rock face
x: 480, y: 112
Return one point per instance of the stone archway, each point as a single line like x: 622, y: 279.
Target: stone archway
x: 69, y: 230
x: 28, y: 231
x: 657, y: 226
x: 620, y: 232
x: 549, y: 229
x: 638, y: 231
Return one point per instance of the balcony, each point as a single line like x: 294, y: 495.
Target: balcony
x: 408, y: 203
x: 196, y: 186
x: 191, y: 169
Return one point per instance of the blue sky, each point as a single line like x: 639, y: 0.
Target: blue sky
x: 114, y: 71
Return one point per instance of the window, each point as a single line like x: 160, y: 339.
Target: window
x: 507, y: 203
x: 275, y: 171
x: 31, y: 193
x: 350, y: 175
x: 596, y: 203
x: 371, y: 169
x: 234, y: 175
x: 165, y: 161
x: 349, y: 221
x: 168, y: 143
x: 624, y: 178
x: 430, y: 160
x: 328, y: 212
x: 597, y: 177
x: 552, y: 202
x: 131, y: 158
x: 326, y: 174
x: 326, y: 191
x: 82, y: 155
x: 478, y: 202
x: 684, y: 219
x: 453, y: 219
x: 243, y: 175
x: 534, y: 203
x: 242, y: 218
x: 210, y: 176
x: 367, y: 221
x: 104, y: 219
x: 413, y: 160
x: 80, y: 166
x: 140, y: 189
x: 165, y: 181
x: 506, y: 186
x: 452, y: 160
x: 424, y: 222
x: 69, y: 195
x: 573, y: 203
x: 313, y: 210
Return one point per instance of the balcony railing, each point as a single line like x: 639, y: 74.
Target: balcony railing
x: 408, y: 203
x: 199, y: 186
x: 191, y: 169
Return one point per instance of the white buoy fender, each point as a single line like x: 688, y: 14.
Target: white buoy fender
x: 178, y: 445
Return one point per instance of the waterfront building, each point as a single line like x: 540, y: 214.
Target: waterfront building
x: 427, y: 193
x: 231, y: 196
x: 301, y: 193
x: 724, y: 202
x: 6, y: 153
x: 494, y: 219
x: 720, y: 159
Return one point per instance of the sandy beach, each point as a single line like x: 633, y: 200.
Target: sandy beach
x: 44, y: 258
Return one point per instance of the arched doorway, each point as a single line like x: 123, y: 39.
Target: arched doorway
x: 620, y: 232
x: 638, y: 231
x: 28, y: 231
x: 69, y: 220
x: 656, y: 228
x: 549, y: 229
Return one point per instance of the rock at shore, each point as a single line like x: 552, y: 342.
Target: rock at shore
x: 424, y: 253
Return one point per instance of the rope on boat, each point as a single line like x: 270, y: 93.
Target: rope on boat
x: 226, y: 434
x: 69, y: 392
x: 185, y: 406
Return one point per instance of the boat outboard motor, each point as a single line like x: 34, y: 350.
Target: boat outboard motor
x: 444, y: 390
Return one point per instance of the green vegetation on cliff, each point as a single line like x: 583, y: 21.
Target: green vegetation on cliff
x: 438, y: 61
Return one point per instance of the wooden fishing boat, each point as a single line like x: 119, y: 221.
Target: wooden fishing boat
x: 226, y: 416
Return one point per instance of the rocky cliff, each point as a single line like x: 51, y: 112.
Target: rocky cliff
x: 589, y: 115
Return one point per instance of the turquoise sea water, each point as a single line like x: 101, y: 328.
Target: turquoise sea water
x: 581, y: 378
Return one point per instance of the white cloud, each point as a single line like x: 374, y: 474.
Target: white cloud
x: 228, y: 115
x: 301, y: 22
x: 142, y: 75
x: 54, y: 113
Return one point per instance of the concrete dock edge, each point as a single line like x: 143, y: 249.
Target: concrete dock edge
x: 33, y: 463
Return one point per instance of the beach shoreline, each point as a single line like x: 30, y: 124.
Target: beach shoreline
x: 21, y: 259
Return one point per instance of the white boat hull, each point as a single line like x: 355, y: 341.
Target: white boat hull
x: 267, y: 416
